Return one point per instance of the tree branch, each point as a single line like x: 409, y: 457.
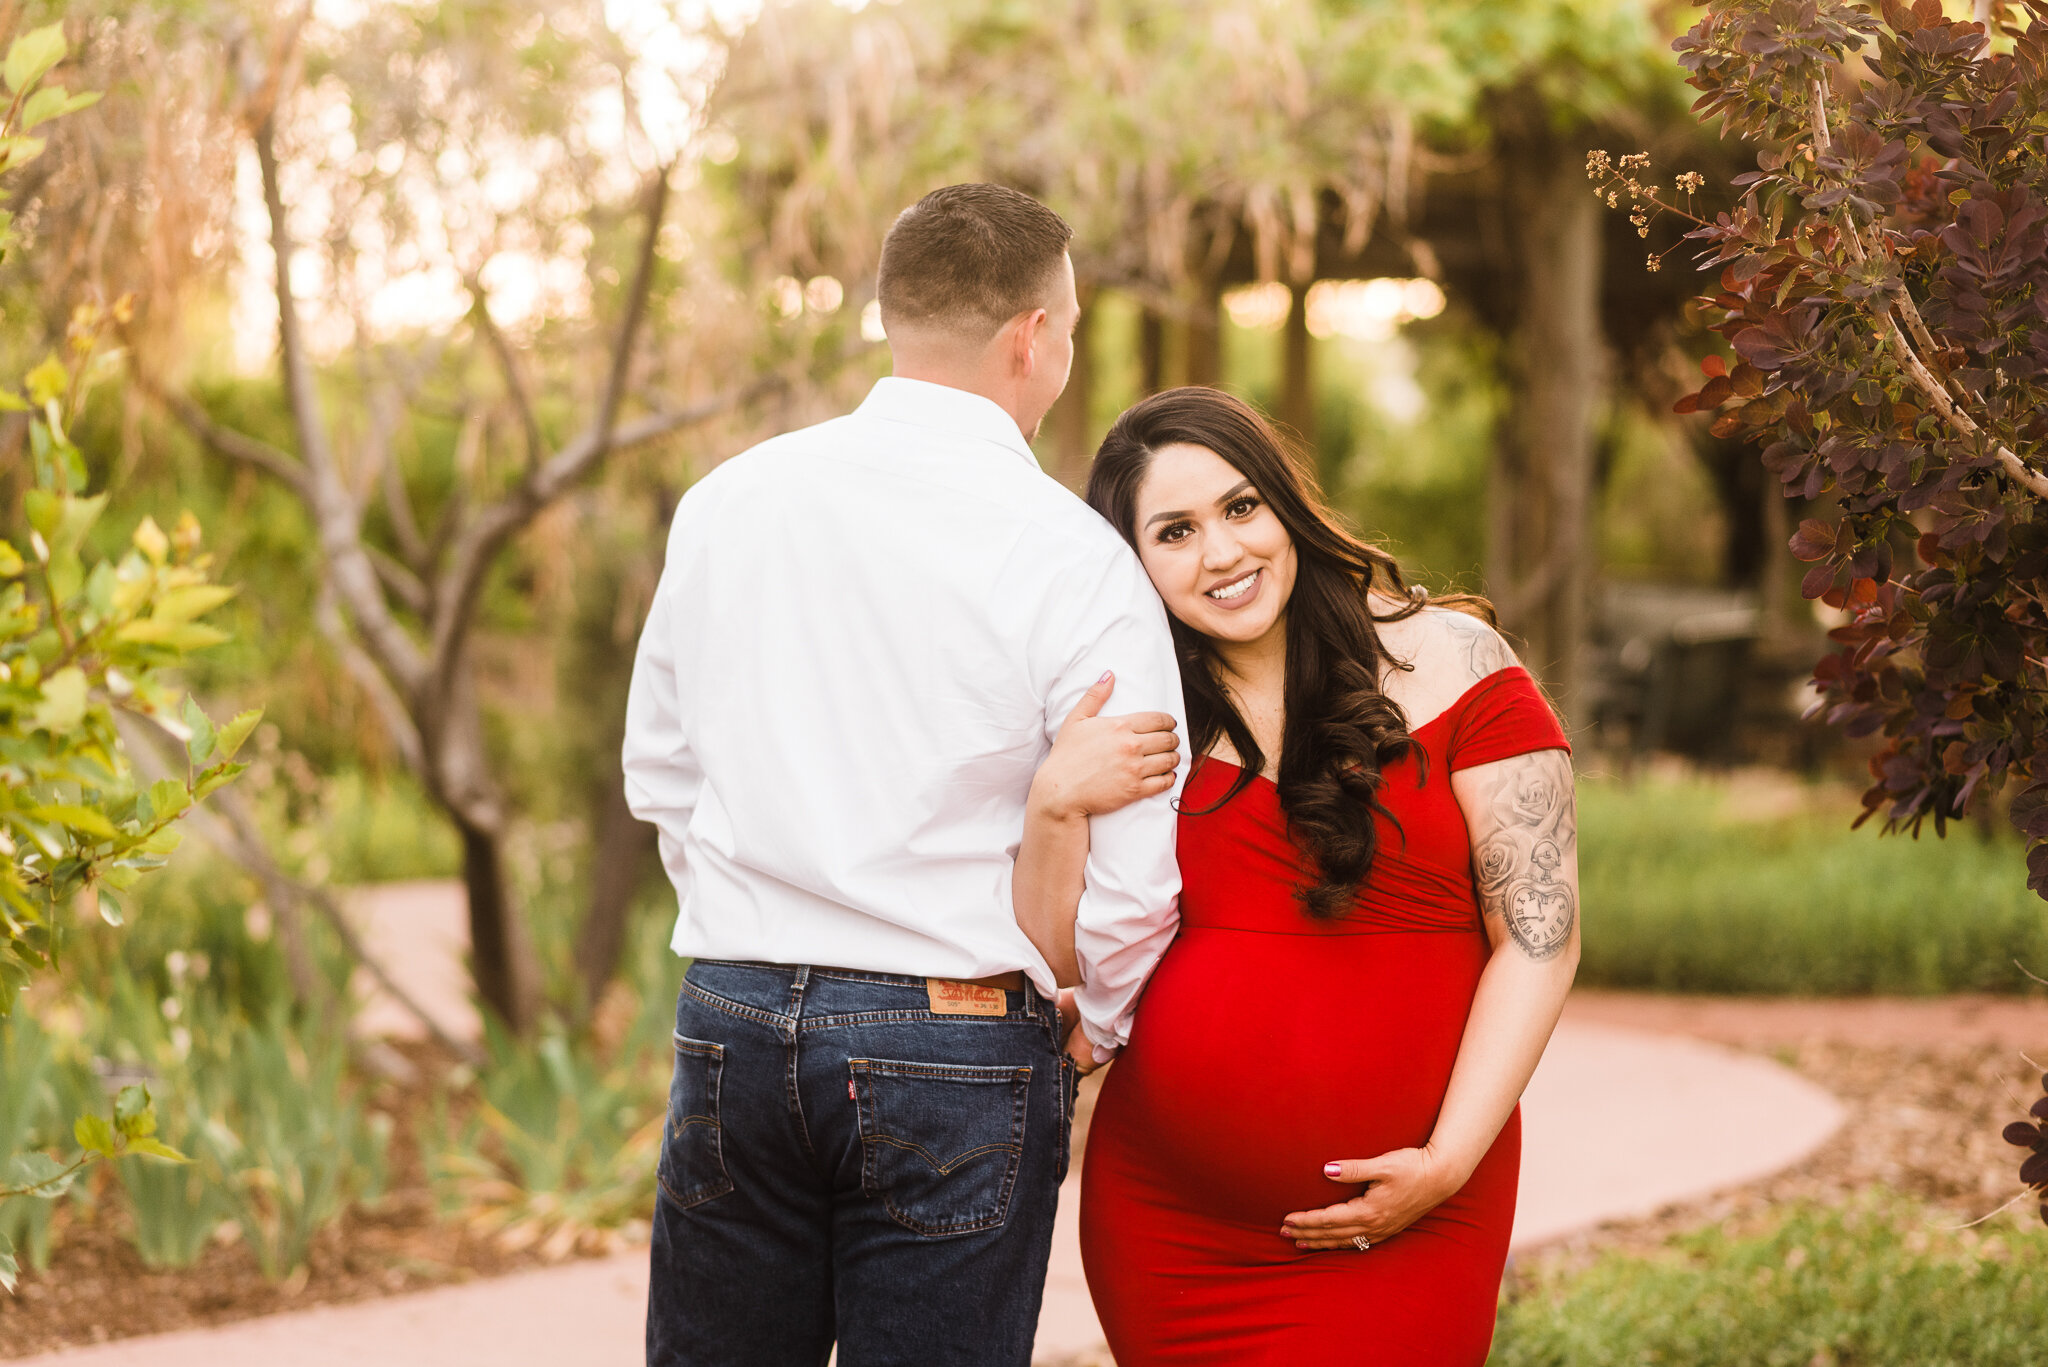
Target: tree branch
x: 476, y: 544
x: 1917, y: 370
x: 333, y: 507
x: 508, y: 362
x: 223, y: 441
x: 398, y: 723
x: 398, y: 580
x: 226, y: 822
x: 404, y: 526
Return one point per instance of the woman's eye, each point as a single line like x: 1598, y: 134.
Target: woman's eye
x: 1177, y: 532
x: 1244, y: 507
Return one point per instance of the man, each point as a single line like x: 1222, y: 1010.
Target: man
x: 866, y: 635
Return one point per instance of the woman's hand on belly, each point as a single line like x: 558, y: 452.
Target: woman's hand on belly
x: 1403, y: 1186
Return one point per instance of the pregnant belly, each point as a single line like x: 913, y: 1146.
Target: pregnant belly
x: 1255, y: 1059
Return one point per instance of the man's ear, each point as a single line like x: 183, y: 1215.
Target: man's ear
x: 1029, y: 327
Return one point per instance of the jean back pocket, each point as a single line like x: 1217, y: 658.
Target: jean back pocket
x: 941, y: 1142
x: 692, y: 1169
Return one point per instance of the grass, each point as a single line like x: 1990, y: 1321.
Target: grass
x: 1693, y: 886
x: 1880, y: 1282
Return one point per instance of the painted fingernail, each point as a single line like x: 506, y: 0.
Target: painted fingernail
x: 1333, y: 1169
x: 1105, y: 677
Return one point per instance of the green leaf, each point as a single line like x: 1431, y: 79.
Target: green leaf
x: 10, y: 1271
x: 237, y: 731
x: 151, y: 541
x: 94, y: 1135
x: 156, y: 1148
x: 163, y: 841
x: 63, y: 702
x: 175, y: 635
x: 10, y: 560
x: 49, y: 380
x: 167, y: 798
x: 52, y: 101
x: 79, y: 515
x: 32, y: 55
x: 77, y: 818
x: 134, y: 1113
x: 38, y: 1175
x: 216, y: 778
x: 45, y: 511
x: 193, y: 600
x: 200, y: 746
x: 110, y: 908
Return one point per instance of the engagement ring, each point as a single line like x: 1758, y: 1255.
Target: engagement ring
x: 1360, y: 1242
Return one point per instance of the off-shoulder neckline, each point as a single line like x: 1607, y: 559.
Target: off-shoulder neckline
x: 1456, y: 703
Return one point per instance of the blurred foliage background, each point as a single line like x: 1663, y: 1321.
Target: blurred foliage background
x: 443, y: 304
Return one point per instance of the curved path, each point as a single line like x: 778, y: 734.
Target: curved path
x: 1618, y: 1122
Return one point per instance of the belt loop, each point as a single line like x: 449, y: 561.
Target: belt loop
x: 798, y: 984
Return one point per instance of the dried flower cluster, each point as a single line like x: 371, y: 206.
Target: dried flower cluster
x: 1612, y: 180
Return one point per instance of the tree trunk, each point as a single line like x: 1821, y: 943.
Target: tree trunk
x: 621, y: 845
x: 506, y: 969
x: 1205, y: 337
x: 1073, y: 436
x: 1297, y: 373
x: 502, y: 959
x: 1540, y: 551
x: 1151, y: 351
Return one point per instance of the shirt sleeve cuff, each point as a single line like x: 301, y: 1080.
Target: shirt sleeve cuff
x: 1104, y: 1052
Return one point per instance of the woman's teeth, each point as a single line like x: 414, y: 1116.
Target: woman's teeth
x: 1236, y: 589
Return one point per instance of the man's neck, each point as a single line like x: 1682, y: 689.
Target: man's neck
x: 954, y: 377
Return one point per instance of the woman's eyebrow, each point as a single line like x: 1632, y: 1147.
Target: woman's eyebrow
x: 1226, y: 498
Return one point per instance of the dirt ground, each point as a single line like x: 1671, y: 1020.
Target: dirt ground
x: 1928, y: 1084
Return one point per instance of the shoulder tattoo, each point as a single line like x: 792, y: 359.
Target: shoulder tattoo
x: 1478, y: 644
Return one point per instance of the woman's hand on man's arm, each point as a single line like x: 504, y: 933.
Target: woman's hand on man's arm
x: 1098, y: 765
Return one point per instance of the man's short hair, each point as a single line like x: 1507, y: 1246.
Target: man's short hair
x: 969, y: 258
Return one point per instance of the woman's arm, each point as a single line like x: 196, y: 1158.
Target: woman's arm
x: 1525, y: 859
x: 1098, y: 764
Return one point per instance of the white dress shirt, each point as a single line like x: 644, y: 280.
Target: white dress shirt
x: 866, y: 635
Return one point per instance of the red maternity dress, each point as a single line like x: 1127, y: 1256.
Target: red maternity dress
x: 1268, y: 1044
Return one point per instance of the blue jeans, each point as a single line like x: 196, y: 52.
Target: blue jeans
x: 844, y: 1165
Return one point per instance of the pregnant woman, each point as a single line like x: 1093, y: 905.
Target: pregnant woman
x: 1307, y: 1154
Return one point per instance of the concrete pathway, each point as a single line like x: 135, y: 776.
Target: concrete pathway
x: 1618, y: 1122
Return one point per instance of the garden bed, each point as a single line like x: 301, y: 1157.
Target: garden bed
x: 97, y: 1287
x: 1926, y: 1101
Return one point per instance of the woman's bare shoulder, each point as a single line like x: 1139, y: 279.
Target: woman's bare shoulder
x: 1453, y: 646
x: 1446, y: 651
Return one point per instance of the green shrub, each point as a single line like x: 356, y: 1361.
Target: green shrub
x: 1882, y: 1282
x: 1685, y: 891
x: 287, y: 1144
x: 40, y: 1091
x: 280, y: 1140
x: 563, y: 1139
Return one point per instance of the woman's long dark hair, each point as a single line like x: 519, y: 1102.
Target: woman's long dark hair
x: 1341, y: 731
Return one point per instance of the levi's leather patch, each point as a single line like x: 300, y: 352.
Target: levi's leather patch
x: 949, y: 998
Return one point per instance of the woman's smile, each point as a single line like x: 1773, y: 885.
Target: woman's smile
x: 1239, y: 592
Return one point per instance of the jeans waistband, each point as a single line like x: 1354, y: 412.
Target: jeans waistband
x: 1013, y: 981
